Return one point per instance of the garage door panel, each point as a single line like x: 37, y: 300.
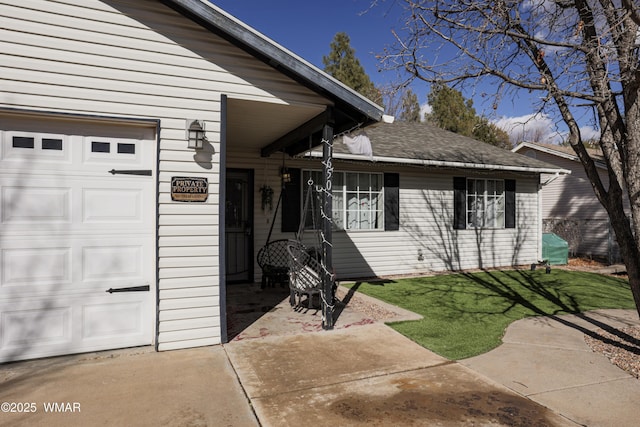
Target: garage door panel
x: 50, y: 326
x: 39, y: 204
x: 112, y: 205
x: 36, y: 266
x: 28, y: 205
x: 127, y: 319
x: 56, y: 152
x: 70, y: 231
x: 113, y: 263
x: 35, y: 327
x: 110, y: 151
x: 88, y: 263
x: 25, y: 148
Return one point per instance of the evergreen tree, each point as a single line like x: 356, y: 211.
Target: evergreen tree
x: 450, y: 111
x: 410, y: 107
x: 342, y: 64
x: 486, y: 131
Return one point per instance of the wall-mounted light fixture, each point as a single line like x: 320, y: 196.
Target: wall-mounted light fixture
x: 195, y: 135
x: 285, y: 174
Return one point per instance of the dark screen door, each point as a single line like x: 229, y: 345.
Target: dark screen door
x: 239, y: 226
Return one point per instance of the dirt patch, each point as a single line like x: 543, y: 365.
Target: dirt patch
x: 415, y: 408
x: 586, y: 263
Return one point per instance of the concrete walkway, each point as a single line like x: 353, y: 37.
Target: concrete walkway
x: 291, y: 373
x: 547, y: 360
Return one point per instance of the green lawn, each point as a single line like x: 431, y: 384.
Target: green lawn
x: 466, y: 314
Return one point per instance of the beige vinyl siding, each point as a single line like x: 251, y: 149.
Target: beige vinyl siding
x: 142, y: 60
x: 570, y: 195
x: 426, y: 225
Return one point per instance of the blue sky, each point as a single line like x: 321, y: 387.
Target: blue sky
x: 307, y: 29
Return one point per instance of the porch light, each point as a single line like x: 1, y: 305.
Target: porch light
x: 285, y: 174
x: 195, y: 139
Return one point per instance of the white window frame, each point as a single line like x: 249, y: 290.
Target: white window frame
x: 486, y: 203
x: 368, y: 209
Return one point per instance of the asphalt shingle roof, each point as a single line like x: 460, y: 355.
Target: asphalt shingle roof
x: 595, y: 153
x: 411, y: 140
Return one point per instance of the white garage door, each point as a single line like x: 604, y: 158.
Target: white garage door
x: 71, y: 231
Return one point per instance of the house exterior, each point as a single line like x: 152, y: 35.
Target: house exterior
x: 431, y: 180
x: 115, y: 233
x: 570, y: 208
x: 107, y: 238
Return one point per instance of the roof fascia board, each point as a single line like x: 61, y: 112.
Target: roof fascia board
x: 440, y: 163
x: 270, y: 52
x: 553, y: 152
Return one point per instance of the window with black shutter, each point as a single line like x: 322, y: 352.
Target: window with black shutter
x: 484, y: 203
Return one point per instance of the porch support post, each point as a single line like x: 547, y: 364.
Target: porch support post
x: 328, y: 296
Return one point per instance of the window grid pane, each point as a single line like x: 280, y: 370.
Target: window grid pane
x: 358, y: 202
x: 485, y: 203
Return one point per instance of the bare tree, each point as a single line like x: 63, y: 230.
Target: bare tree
x: 579, y: 56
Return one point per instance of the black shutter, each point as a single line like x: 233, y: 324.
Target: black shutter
x: 391, y: 201
x: 459, y: 203
x: 509, y: 203
x: 291, y: 204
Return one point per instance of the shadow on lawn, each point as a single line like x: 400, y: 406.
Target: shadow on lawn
x: 353, y: 289
x: 566, y: 304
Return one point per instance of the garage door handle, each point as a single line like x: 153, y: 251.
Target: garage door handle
x: 131, y: 289
x: 144, y: 172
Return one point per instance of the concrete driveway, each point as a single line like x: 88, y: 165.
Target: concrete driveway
x: 135, y: 387
x: 372, y: 376
x: 286, y: 371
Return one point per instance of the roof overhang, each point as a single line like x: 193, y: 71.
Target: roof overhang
x: 557, y: 153
x: 441, y: 164
x: 349, y: 108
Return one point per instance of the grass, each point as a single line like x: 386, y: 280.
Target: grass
x: 466, y: 314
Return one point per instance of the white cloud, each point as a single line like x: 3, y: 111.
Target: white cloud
x: 539, y: 128
x: 588, y: 133
x: 424, y: 109
x: 531, y: 127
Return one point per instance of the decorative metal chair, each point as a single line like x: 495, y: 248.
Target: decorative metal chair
x: 305, y: 273
x: 273, y: 259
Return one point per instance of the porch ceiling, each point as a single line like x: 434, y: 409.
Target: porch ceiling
x: 253, y: 125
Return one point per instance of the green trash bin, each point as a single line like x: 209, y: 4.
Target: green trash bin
x: 555, y: 250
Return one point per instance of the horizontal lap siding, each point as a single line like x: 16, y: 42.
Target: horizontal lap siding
x: 570, y: 196
x: 426, y: 225
x: 142, y: 60
x: 426, y: 219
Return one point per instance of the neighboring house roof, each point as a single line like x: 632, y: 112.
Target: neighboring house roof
x: 350, y: 107
x: 561, y: 151
x: 427, y: 145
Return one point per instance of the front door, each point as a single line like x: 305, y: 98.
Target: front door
x: 239, y: 225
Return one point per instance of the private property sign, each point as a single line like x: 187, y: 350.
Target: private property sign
x: 189, y: 189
